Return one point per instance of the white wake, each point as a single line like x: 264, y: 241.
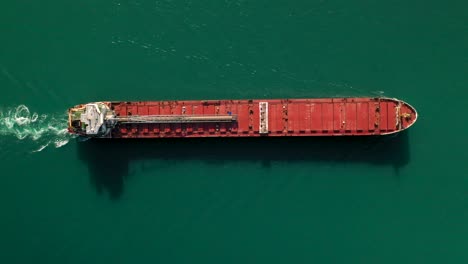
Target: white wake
x: 42, y: 130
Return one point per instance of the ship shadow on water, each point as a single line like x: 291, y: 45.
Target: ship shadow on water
x: 109, y: 161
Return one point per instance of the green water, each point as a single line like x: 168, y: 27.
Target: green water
x: 390, y: 200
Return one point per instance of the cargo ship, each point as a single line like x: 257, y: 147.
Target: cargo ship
x: 242, y: 118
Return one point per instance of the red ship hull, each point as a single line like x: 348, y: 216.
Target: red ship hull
x: 270, y: 118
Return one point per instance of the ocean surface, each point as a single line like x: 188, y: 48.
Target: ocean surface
x: 400, y: 199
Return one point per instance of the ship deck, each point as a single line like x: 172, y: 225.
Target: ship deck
x: 289, y: 117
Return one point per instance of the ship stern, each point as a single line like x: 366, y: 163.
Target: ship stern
x: 90, y: 120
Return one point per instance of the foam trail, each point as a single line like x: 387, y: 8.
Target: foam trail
x: 42, y: 130
x: 41, y: 148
